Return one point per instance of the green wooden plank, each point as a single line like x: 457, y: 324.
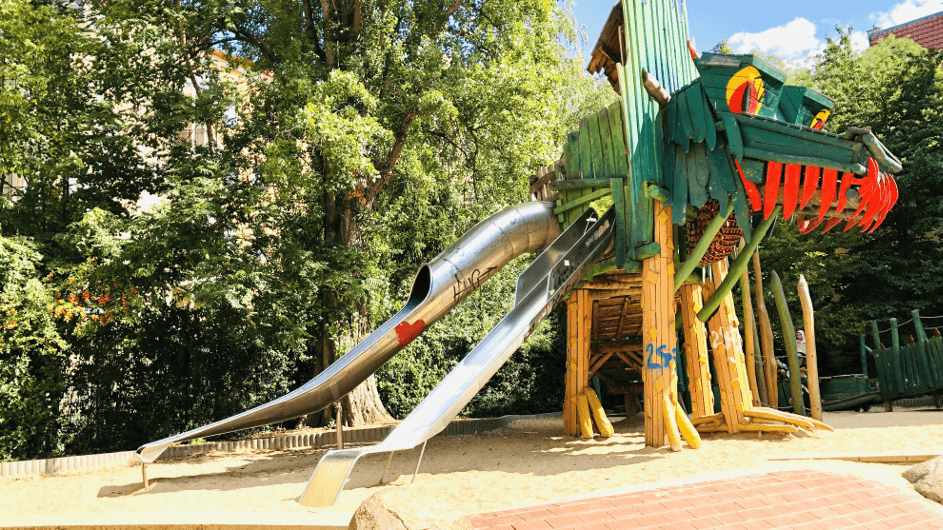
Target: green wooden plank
x: 734, y: 138
x: 680, y: 135
x: 617, y: 133
x: 802, y: 161
x: 571, y: 156
x: 703, y: 165
x: 742, y: 211
x: 697, y: 113
x: 586, y: 149
x: 715, y: 188
x: 696, y: 191
x: 618, y: 202
x: 596, y: 154
x: 680, y: 189
x: 585, y: 199
x: 579, y: 184
x: 708, y: 122
x: 661, y: 53
x: 605, y: 136
x: 684, y: 114
x: 631, y: 139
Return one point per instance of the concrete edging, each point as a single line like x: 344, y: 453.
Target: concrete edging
x: 51, y: 466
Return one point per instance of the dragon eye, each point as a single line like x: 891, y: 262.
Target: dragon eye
x: 819, y: 120
x: 745, y: 91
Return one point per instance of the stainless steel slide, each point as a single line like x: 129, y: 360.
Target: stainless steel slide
x: 439, y: 286
x: 545, y: 282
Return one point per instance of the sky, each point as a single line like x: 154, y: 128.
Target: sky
x: 793, y: 29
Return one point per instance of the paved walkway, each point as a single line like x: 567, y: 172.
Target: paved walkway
x: 782, y: 499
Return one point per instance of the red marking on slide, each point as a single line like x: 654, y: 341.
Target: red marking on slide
x: 407, y: 332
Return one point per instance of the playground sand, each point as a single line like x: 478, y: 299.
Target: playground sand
x: 528, y: 462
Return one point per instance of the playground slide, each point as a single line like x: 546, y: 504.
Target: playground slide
x: 545, y: 282
x: 439, y: 286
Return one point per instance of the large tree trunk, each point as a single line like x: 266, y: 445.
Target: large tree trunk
x: 363, y: 405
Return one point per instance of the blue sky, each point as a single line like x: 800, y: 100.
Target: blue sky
x: 792, y: 29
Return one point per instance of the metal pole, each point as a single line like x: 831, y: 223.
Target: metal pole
x: 387, y: 468
x: 419, y: 462
x: 339, y: 424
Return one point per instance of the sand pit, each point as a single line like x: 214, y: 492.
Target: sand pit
x: 528, y: 462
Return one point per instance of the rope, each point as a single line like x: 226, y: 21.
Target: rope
x: 929, y: 318
x: 899, y: 325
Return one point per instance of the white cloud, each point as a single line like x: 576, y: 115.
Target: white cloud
x: 797, y: 42
x: 793, y: 41
x: 906, y: 12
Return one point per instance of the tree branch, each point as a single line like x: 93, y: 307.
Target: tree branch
x: 386, y: 172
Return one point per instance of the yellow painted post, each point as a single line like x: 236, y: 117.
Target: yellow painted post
x: 696, y: 356
x: 658, y: 328
x: 579, y: 322
x: 766, y: 336
x: 570, y: 424
x: 729, y: 361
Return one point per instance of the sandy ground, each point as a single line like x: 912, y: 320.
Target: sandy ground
x: 528, y: 462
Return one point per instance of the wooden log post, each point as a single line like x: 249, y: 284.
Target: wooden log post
x: 578, y: 323
x: 766, y: 336
x: 749, y: 332
x: 789, y: 336
x: 811, y: 357
x: 658, y: 328
x: 696, y: 354
x: 727, y: 353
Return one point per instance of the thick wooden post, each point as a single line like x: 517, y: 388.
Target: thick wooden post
x: 811, y: 357
x: 792, y: 354
x: 658, y: 328
x: 766, y: 336
x: 727, y: 352
x: 696, y: 356
x: 578, y: 324
x: 749, y: 333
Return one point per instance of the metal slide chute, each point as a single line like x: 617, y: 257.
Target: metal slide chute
x: 545, y: 282
x: 439, y: 286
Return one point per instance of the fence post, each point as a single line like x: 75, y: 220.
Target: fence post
x: 902, y: 382
x: 864, y: 357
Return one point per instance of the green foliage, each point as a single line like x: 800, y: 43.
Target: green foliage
x: 348, y: 144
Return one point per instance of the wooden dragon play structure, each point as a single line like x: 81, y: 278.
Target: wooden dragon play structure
x: 698, y: 154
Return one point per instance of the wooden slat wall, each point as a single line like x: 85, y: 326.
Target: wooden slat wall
x: 656, y: 35
x: 727, y: 351
x: 696, y: 356
x: 658, y: 328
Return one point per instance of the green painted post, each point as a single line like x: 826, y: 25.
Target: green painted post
x: 736, y: 268
x: 895, y: 352
x: 875, y: 335
x: 927, y: 375
x: 933, y: 371
x: 864, y: 357
x: 789, y: 335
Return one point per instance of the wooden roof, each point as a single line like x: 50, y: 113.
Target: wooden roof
x: 607, y: 52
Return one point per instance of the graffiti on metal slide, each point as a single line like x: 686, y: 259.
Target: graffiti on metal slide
x: 464, y: 286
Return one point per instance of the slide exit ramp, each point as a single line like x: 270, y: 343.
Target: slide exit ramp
x: 545, y: 282
x: 439, y: 286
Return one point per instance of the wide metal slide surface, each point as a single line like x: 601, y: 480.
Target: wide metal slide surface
x: 439, y: 286
x: 545, y: 282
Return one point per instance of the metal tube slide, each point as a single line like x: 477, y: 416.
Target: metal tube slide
x: 439, y: 286
x: 547, y: 280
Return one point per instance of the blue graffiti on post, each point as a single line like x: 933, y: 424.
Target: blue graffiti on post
x: 664, y: 357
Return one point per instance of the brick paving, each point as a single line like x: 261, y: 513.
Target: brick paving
x: 782, y: 499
